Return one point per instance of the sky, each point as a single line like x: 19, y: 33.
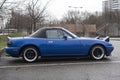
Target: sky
x: 59, y: 7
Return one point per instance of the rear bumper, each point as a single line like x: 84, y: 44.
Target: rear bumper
x: 12, y: 51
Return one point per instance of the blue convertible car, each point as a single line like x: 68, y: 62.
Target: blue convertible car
x: 57, y: 42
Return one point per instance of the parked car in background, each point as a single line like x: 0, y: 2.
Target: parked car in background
x: 57, y: 42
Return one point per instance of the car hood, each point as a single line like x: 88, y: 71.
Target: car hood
x: 87, y: 38
x: 106, y: 39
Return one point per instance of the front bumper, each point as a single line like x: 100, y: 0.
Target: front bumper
x: 12, y: 51
x: 109, y: 50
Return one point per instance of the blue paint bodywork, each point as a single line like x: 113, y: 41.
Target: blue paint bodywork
x: 57, y: 47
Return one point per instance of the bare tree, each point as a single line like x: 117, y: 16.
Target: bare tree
x: 72, y: 17
x: 36, y: 13
x: 19, y: 21
x: 2, y: 4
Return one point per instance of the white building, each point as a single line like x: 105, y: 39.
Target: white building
x: 114, y: 5
x: 111, y: 5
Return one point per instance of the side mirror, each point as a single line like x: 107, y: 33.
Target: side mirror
x: 65, y: 37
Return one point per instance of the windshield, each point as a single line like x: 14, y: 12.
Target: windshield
x: 75, y: 36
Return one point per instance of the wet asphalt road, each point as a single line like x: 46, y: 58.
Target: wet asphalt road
x: 63, y: 69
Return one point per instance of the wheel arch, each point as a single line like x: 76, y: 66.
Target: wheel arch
x: 23, y: 47
x: 97, y: 45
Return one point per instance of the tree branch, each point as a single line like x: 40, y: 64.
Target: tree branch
x: 2, y: 4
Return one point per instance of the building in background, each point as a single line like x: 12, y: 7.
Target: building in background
x: 111, y: 5
x: 105, y: 6
x: 114, y: 5
x: 111, y: 11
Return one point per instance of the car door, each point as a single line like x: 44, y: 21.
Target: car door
x: 57, y: 45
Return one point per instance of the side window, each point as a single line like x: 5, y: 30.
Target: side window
x: 55, y: 34
x: 51, y: 34
x: 60, y: 34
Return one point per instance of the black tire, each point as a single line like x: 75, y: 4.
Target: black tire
x: 97, y: 52
x: 30, y: 54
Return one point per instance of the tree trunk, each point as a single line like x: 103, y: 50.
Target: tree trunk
x: 34, y: 26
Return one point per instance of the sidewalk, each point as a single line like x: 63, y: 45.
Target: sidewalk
x: 115, y: 39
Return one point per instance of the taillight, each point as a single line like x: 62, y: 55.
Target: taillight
x: 9, y: 43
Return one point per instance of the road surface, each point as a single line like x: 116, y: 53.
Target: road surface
x: 62, y: 69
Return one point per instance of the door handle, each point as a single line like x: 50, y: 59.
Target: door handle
x: 50, y: 42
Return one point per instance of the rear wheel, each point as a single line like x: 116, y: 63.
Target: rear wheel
x: 97, y: 52
x: 30, y: 54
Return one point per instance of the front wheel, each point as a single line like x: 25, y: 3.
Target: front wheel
x: 30, y: 54
x: 97, y: 52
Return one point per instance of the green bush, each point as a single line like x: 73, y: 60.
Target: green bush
x: 3, y: 38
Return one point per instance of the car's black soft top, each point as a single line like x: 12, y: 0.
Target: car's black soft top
x: 41, y: 33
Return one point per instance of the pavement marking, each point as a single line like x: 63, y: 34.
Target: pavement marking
x: 58, y: 64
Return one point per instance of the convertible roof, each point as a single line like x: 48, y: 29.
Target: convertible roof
x: 41, y: 32
x: 52, y: 28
